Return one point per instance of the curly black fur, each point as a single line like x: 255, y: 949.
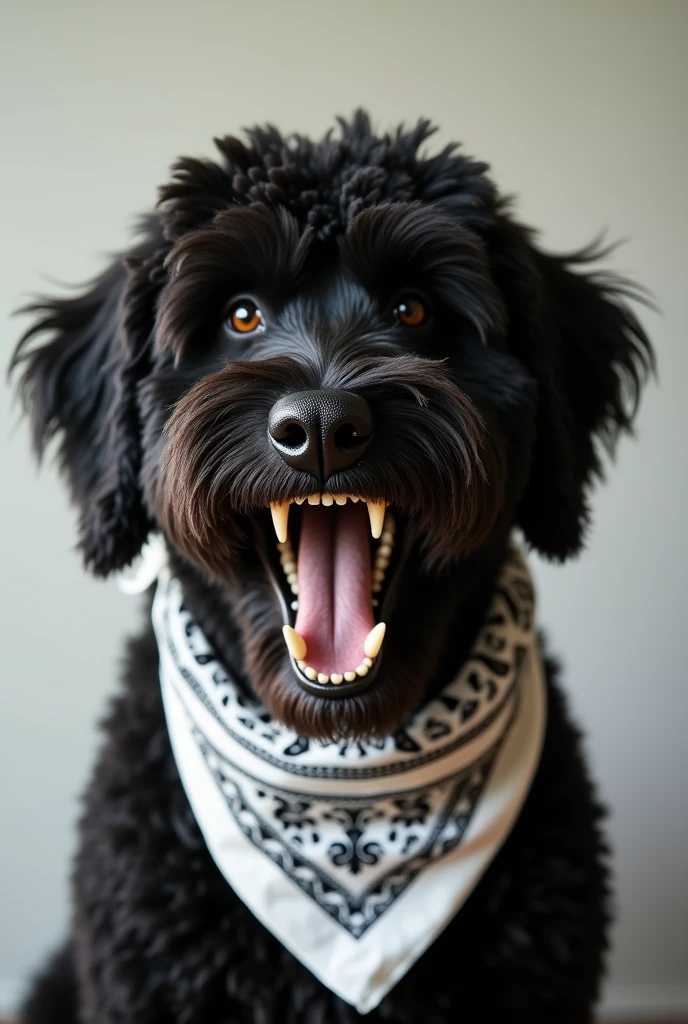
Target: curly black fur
x: 488, y: 417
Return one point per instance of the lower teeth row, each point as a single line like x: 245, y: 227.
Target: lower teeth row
x: 336, y: 677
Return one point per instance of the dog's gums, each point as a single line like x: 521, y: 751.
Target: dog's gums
x: 334, y: 640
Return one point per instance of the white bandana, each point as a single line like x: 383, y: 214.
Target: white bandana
x: 356, y: 855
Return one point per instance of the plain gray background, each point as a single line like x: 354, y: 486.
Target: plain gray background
x: 580, y: 108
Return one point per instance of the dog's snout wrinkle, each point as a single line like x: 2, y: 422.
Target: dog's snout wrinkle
x: 321, y: 431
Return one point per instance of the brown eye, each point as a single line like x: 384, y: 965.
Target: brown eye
x: 411, y: 312
x: 245, y: 317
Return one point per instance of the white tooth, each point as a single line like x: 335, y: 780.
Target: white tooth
x: 322, y: 678
x: 376, y: 588
x: 387, y: 539
x: 385, y: 550
x: 289, y: 565
x: 362, y: 670
x: 295, y: 643
x: 294, y: 587
x: 349, y: 676
x: 310, y: 673
x: 301, y: 664
x: 327, y: 499
x: 284, y: 546
x: 280, y: 519
x: 373, y: 642
x: 340, y: 499
x: 376, y: 511
x: 292, y: 578
x: 353, y: 497
x: 294, y: 605
x: 368, y: 662
x: 381, y: 561
x: 374, y: 602
x: 300, y: 501
x: 390, y: 523
x: 313, y: 499
x: 336, y: 678
x: 378, y: 575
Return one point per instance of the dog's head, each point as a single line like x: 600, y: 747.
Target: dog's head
x: 335, y: 375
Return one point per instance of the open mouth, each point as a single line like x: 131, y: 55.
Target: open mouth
x: 334, y: 552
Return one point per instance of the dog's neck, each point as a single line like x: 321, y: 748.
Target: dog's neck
x: 451, y: 606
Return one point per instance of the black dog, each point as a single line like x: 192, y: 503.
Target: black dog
x: 343, y: 317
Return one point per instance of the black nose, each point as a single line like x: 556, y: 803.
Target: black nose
x: 321, y: 432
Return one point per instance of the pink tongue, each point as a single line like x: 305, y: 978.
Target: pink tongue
x: 335, y: 611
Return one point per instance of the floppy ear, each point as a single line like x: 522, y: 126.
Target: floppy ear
x: 573, y: 330
x: 81, y: 385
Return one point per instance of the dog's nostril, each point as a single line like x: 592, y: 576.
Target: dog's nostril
x: 321, y: 432
x: 291, y: 435
x: 347, y: 437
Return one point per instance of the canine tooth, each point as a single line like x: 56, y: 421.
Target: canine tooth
x: 327, y: 499
x: 280, y: 519
x: 368, y: 662
x: 373, y: 642
x: 336, y: 678
x: 300, y: 501
x: 313, y: 499
x: 340, y: 499
x: 295, y: 643
x: 322, y: 678
x: 376, y: 511
x: 310, y: 673
x: 362, y: 670
x: 349, y: 676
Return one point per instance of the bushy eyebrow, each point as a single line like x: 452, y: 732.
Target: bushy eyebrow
x: 256, y: 248
x: 404, y: 244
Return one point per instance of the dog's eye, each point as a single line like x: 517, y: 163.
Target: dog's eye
x: 411, y: 312
x: 245, y: 317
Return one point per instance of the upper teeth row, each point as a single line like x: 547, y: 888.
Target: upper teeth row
x: 280, y: 511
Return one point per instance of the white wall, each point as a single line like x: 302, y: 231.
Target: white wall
x: 580, y: 108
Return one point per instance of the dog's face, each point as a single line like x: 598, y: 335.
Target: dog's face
x: 335, y: 409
